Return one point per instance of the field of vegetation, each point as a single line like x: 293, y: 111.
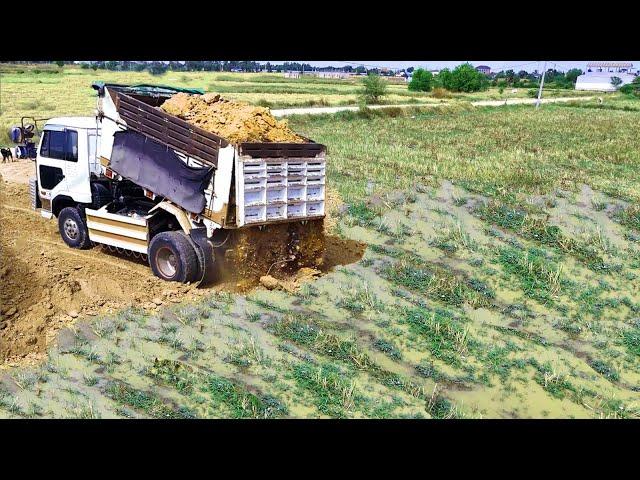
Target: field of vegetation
x: 500, y: 280
x: 47, y: 91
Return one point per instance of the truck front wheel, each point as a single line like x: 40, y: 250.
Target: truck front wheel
x: 73, y: 228
x: 173, y: 258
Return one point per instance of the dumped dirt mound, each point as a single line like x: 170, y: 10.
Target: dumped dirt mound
x: 235, y: 121
x: 289, y: 253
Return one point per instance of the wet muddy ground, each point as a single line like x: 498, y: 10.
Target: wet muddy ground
x: 47, y: 285
x: 462, y: 306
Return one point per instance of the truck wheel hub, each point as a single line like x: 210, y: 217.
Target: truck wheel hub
x: 167, y: 262
x: 71, y: 228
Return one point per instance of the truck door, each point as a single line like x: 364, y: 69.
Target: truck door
x: 63, y: 166
x: 51, y: 165
x: 76, y: 168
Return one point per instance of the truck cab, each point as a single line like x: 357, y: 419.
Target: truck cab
x: 65, y: 163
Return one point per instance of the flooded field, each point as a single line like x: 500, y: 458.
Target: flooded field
x: 462, y: 306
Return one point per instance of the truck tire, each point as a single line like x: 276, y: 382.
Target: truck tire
x: 73, y: 229
x: 173, y: 258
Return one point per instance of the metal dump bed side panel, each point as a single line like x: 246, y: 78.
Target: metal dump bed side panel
x: 280, y: 182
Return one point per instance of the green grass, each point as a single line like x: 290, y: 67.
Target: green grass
x: 332, y: 392
x: 144, y: 402
x: 507, y: 150
x: 437, y: 282
x: 538, y: 230
x: 447, y: 338
x: 631, y: 340
x: 539, y: 278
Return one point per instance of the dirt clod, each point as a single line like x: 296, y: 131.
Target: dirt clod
x: 268, y: 282
x: 236, y: 121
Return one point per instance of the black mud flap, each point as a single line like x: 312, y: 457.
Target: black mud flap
x: 204, y: 250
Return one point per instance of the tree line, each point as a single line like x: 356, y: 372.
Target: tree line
x: 465, y: 78
x: 157, y: 67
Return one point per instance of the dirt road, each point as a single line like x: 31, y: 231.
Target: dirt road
x: 47, y: 285
x: 479, y: 103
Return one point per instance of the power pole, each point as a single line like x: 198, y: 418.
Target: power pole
x: 544, y: 71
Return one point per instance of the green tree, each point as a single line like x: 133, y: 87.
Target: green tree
x: 60, y: 63
x: 375, y: 87
x: 573, y: 74
x: 157, y: 68
x: 616, y: 81
x: 463, y: 78
x: 421, y: 81
x: 632, y: 88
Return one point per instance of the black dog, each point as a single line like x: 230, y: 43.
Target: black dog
x: 6, y: 154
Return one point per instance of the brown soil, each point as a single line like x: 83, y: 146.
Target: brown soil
x: 235, y: 121
x: 18, y: 171
x: 288, y: 252
x: 47, y: 285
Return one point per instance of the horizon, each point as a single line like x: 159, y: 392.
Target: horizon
x: 496, y: 65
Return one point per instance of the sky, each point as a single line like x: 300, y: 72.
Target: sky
x: 495, y: 65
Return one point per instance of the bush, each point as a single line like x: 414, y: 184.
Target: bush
x: 463, y: 78
x: 441, y: 93
x: 374, y: 89
x: 157, y: 68
x: 632, y: 89
x: 421, y: 81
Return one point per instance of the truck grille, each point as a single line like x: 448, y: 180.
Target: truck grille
x: 33, y: 192
x: 278, y: 189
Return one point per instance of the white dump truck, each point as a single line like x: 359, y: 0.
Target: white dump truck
x: 151, y: 185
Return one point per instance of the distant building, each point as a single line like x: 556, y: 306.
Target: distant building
x: 330, y: 74
x: 610, y: 67
x: 599, y: 74
x: 340, y: 75
x: 484, y: 69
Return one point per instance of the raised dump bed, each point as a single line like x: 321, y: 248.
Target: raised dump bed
x: 250, y: 183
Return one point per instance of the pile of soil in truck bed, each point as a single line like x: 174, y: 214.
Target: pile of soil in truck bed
x: 235, y: 121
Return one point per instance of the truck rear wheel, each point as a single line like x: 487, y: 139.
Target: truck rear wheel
x: 73, y: 229
x: 173, y: 258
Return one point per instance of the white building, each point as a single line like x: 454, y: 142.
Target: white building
x: 599, y: 74
x: 330, y: 74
